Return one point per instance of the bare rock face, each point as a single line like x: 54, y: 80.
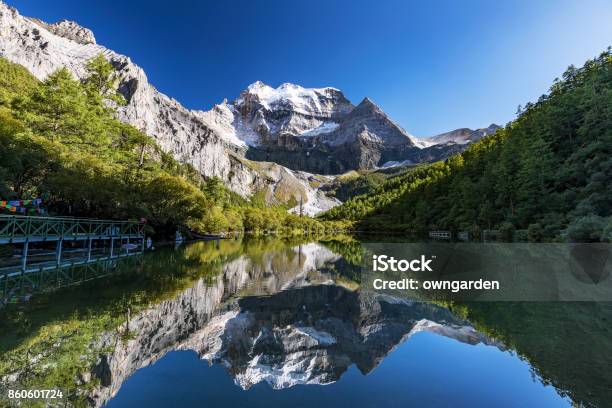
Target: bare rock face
x: 463, y: 136
x: 192, y: 137
x: 290, y: 110
x: 273, y: 139
x: 370, y: 137
x: 319, y: 131
x: 70, y: 30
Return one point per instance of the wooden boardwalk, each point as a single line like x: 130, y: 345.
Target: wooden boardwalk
x: 100, y: 242
x: 20, y: 229
x: 120, y: 237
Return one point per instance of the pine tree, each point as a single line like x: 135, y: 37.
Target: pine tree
x: 102, y: 79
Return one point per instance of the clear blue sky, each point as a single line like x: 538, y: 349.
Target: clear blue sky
x: 432, y: 66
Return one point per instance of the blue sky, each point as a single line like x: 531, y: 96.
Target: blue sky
x: 432, y: 66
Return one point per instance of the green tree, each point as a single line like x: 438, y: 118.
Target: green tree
x: 60, y: 110
x: 101, y: 80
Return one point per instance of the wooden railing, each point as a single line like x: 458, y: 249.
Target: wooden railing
x: 16, y: 228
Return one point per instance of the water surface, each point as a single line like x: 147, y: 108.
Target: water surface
x: 259, y: 322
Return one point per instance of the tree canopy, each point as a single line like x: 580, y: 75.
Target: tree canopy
x: 60, y: 140
x: 548, y: 170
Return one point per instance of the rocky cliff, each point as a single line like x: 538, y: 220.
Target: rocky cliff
x: 318, y: 130
x: 462, y: 136
x: 271, y: 139
x: 190, y: 136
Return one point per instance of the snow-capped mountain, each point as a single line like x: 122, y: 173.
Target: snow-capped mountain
x: 310, y: 129
x: 290, y: 110
x: 318, y: 130
x: 199, y: 138
x: 312, y: 335
x: 294, y: 132
x: 462, y: 136
x: 441, y: 146
x: 263, y: 115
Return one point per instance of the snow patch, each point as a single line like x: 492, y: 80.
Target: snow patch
x: 287, y: 375
x: 423, y: 143
x: 325, y: 127
x: 220, y: 119
x: 304, y: 100
x: 224, y: 120
x: 393, y: 163
x: 316, y: 200
x: 297, y: 367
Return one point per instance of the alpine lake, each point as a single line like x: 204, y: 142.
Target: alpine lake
x: 260, y: 322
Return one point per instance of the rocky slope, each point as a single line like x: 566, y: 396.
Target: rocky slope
x: 43, y: 48
x: 360, y: 138
x: 318, y: 130
x: 190, y: 136
x: 462, y: 136
x: 271, y: 139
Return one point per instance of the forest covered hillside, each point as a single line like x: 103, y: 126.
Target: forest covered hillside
x: 549, y: 171
x: 60, y: 141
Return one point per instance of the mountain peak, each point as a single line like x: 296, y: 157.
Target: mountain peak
x: 367, y: 106
x: 368, y: 121
x: 289, y: 85
x: 287, y: 88
x: 311, y: 101
x: 367, y: 101
x: 462, y: 136
x: 257, y: 85
x: 68, y: 29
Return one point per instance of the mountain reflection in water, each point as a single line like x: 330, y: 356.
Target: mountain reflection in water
x: 280, y: 315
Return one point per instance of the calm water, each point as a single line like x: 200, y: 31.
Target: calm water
x: 251, y: 323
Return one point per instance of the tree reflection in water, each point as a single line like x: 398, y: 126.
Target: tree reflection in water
x: 278, y: 312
